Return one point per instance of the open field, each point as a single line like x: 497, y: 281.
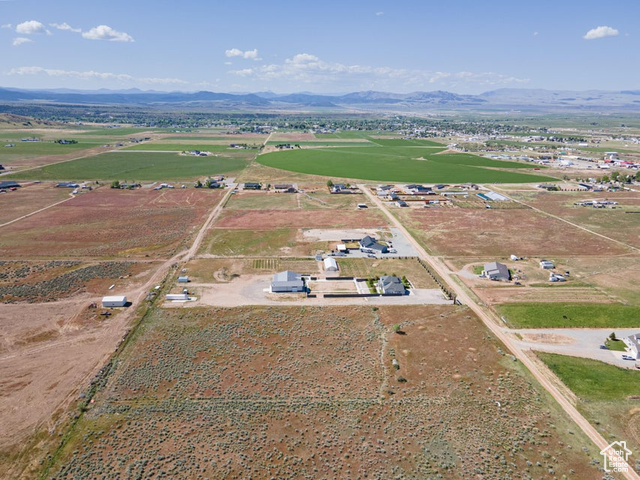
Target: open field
x: 284, y: 393
x: 247, y: 200
x: 30, y: 198
x: 522, y: 232
x: 607, y: 396
x: 366, y: 267
x: 225, y: 270
x: 559, y: 315
x: 179, y: 147
x: 138, y: 166
x: 271, y: 242
x: 109, y: 222
x: 399, y: 163
x: 270, y: 219
x: 615, y: 223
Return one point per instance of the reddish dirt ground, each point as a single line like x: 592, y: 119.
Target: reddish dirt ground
x: 269, y: 219
x: 29, y: 198
x: 501, y: 233
x: 277, y: 393
x: 109, y: 222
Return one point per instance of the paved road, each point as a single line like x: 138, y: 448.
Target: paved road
x: 493, y: 323
x: 579, y: 342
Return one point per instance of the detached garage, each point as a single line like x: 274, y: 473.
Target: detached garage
x: 114, y: 301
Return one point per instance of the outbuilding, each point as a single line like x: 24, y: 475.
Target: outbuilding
x: 178, y: 296
x: 546, y: 264
x: 330, y: 264
x: 114, y: 301
x: 183, y: 279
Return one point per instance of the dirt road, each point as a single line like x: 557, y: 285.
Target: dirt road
x: 493, y: 323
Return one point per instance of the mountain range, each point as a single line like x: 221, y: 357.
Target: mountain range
x: 495, y: 100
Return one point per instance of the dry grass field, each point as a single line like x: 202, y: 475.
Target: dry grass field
x: 500, y: 233
x: 30, y: 198
x: 109, y: 222
x: 312, y: 393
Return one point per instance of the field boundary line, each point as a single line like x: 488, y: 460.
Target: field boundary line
x: 37, y: 211
x: 568, y: 222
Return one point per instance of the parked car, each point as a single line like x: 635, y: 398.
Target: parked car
x: 604, y: 347
x: 628, y: 357
x: 371, y: 255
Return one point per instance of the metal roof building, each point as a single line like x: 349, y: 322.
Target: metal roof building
x: 287, y: 281
x: 496, y: 271
x: 391, y: 285
x: 330, y: 264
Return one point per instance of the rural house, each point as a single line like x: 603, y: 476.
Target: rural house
x: 496, y: 271
x: 287, y: 281
x: 369, y: 245
x: 546, y: 264
x: 633, y: 342
x: 389, y: 285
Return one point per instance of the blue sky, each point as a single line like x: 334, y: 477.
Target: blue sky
x: 328, y: 46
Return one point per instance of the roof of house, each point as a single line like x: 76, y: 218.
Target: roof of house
x: 9, y: 184
x: 496, y: 270
x: 287, y: 279
x: 393, y: 285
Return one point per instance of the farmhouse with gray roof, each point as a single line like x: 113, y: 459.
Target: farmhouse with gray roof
x: 389, y: 285
x: 369, y: 245
x: 496, y: 271
x: 287, y: 281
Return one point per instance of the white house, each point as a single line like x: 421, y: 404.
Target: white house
x: 114, y: 301
x: 633, y: 342
x: 330, y: 264
x: 546, y: 264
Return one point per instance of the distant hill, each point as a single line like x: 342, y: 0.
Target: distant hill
x: 502, y: 99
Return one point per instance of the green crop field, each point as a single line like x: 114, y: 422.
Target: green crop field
x: 326, y: 143
x: 36, y: 149
x: 116, y: 132
x: 397, y: 142
x: 139, y: 166
x: 399, y: 163
x: 178, y: 147
x: 567, y: 315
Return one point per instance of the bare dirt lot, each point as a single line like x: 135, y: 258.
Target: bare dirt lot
x: 109, y: 222
x: 28, y: 199
x: 270, y: 219
x: 312, y: 393
x: 501, y: 233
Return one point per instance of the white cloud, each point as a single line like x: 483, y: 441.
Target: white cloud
x: 6, y: 25
x: 30, y: 27
x: 92, y: 75
x: 249, y: 54
x: 20, y: 40
x: 65, y: 26
x: 104, y: 32
x: 535, y: 34
x: 305, y: 68
x: 601, y: 32
x: 379, y: 14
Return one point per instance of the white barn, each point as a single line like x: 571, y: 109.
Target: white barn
x: 114, y: 301
x: 330, y: 264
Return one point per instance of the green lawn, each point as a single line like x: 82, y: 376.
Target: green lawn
x: 561, y: 315
x: 592, y: 380
x: 178, y: 147
x: 399, y: 163
x: 139, y: 166
x: 616, y: 345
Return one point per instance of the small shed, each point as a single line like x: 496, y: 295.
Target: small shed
x: 330, y: 264
x: 114, y: 301
x: 183, y: 279
x: 546, y: 264
x: 178, y: 296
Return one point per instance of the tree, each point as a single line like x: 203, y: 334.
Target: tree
x: 613, y: 336
x: 198, y: 184
x: 614, y: 176
x: 115, y: 184
x: 605, y: 179
x: 329, y: 183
